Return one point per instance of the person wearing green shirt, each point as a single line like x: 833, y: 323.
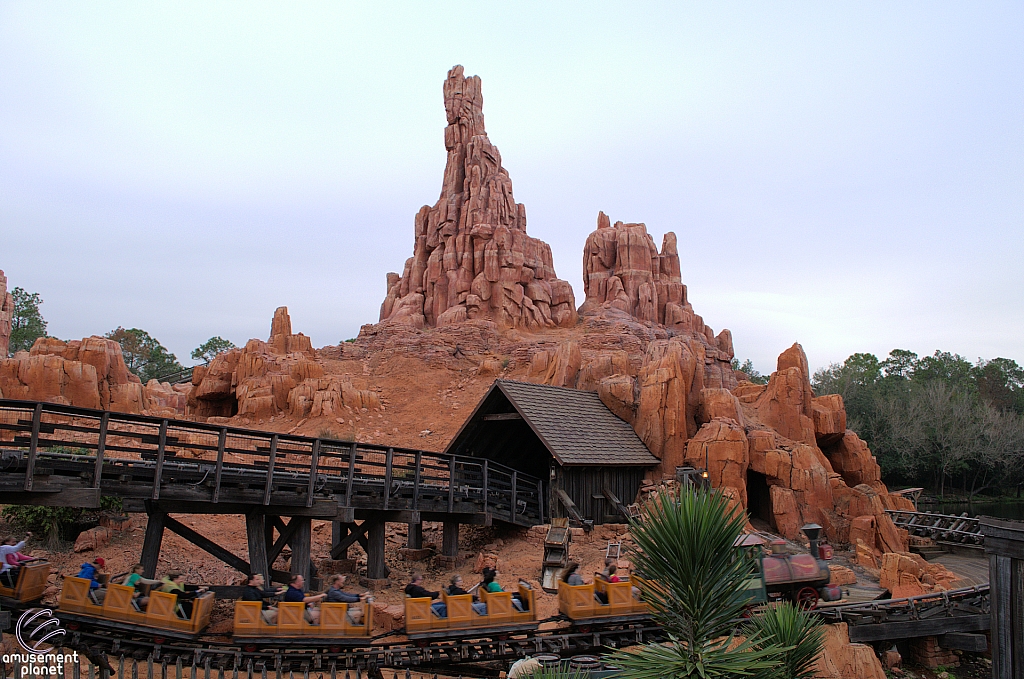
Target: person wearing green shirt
x: 135, y: 579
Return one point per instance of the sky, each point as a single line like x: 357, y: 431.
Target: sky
x: 845, y: 175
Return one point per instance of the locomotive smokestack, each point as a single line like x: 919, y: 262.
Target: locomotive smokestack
x: 813, y: 533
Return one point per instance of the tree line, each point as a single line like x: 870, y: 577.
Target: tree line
x: 144, y: 355
x: 939, y: 421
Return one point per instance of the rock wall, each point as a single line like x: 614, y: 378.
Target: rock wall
x: 280, y: 376
x: 89, y: 373
x: 6, y: 316
x: 472, y: 258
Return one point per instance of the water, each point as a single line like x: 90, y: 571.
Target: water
x: 999, y: 510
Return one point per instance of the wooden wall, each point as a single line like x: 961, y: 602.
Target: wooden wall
x: 585, y: 486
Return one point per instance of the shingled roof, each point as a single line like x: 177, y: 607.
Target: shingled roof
x: 574, y: 425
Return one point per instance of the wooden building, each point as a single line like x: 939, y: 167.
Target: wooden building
x: 592, y: 462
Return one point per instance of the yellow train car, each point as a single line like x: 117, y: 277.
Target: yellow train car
x: 120, y: 607
x: 30, y: 583
x: 335, y: 623
x: 583, y: 602
x: 422, y: 622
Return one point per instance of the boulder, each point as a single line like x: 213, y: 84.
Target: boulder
x: 841, y: 659
x: 721, y: 445
x: 92, y: 539
x: 472, y: 258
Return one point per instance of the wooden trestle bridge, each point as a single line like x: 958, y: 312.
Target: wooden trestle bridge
x: 948, y: 529
x: 60, y: 455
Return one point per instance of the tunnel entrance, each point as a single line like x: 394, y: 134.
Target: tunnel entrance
x: 759, y: 499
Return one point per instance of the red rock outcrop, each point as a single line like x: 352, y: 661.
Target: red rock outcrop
x: 265, y: 379
x: 472, y: 258
x: 90, y: 373
x: 6, y: 316
x: 841, y: 659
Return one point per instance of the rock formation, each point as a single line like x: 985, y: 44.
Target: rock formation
x: 89, y: 373
x: 265, y: 379
x: 472, y: 258
x: 6, y: 316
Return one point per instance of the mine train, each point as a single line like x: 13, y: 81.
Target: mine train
x: 801, y: 577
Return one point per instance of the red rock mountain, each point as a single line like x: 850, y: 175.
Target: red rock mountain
x: 472, y: 258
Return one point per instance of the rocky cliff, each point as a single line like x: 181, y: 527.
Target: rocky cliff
x: 472, y: 258
x: 90, y: 373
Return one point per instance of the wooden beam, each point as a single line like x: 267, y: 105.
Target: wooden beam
x: 151, y: 543
x: 356, y: 532
x: 909, y: 629
x: 416, y: 481
x: 451, y: 484
x: 391, y: 515
x: 313, y: 464
x: 57, y: 497
x: 485, y: 484
x: 964, y: 641
x: 160, y: 452
x: 323, y: 509
x: 450, y: 539
x: 571, y: 508
x: 101, y: 447
x: 222, y: 440
x: 284, y: 538
x: 376, y: 568
x: 415, y: 539
x: 270, y: 470
x: 206, y: 544
x: 388, y: 459
x: 254, y: 532
x: 351, y: 475
x: 33, y: 446
x: 499, y: 417
x: 300, y: 528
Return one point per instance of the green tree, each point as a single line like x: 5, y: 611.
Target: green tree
x: 210, y: 348
x: 748, y: 368
x: 1001, y: 383
x: 27, y: 324
x: 695, y: 583
x: 143, y: 354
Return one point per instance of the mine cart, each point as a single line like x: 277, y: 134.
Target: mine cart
x: 802, y: 578
x: 556, y: 553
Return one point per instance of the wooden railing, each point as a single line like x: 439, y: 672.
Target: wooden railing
x: 52, y: 448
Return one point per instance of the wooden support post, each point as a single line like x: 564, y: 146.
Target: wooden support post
x: 540, y: 501
x: 285, y: 535
x: 222, y: 441
x: 450, y: 539
x: 485, y: 486
x: 357, y: 533
x: 300, y: 539
x: 33, y: 446
x: 255, y: 533
x: 416, y: 481
x: 313, y: 464
x: 415, y: 540
x: 512, y: 511
x: 351, y: 475
x: 269, y: 485
x: 101, y: 448
x: 388, y: 459
x: 451, y: 484
x: 376, y: 568
x: 160, y: 452
x: 151, y: 543
x: 339, y: 531
x: 1004, y: 544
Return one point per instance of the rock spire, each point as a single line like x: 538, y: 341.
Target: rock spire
x: 6, y: 316
x: 472, y: 258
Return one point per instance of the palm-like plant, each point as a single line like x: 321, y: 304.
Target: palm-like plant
x: 694, y: 581
x: 786, y: 625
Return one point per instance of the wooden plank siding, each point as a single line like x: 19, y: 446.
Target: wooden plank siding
x: 585, y: 486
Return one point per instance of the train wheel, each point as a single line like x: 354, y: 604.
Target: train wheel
x: 807, y: 598
x: 249, y: 648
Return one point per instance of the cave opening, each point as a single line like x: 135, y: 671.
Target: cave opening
x: 759, y: 499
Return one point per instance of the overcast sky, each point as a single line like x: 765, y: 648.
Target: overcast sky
x: 849, y: 176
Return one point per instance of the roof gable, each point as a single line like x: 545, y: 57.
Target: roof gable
x: 574, y: 425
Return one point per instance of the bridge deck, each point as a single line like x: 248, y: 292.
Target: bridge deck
x: 62, y: 455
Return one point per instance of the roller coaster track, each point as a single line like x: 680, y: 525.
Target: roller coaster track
x: 960, y: 530
x: 60, y: 455
x: 469, y: 652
